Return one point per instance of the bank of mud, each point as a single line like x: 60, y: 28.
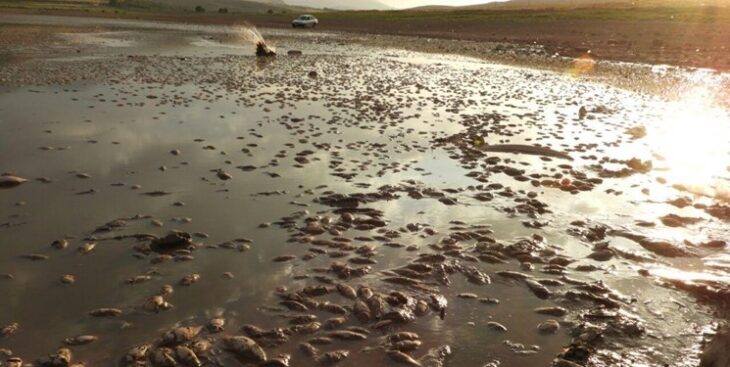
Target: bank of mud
x: 187, y: 203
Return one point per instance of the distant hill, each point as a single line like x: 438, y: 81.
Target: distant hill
x: 250, y: 6
x: 529, y: 4
x: 566, y: 4
x: 341, y: 4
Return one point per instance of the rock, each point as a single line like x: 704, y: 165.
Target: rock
x: 245, y: 348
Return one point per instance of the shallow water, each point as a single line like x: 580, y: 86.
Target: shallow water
x: 370, y: 117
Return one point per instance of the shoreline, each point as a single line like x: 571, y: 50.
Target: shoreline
x: 676, y: 43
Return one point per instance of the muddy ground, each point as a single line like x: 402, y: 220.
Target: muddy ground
x: 170, y: 199
x: 687, y: 38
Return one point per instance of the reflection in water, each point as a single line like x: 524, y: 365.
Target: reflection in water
x: 366, y: 121
x: 691, y: 137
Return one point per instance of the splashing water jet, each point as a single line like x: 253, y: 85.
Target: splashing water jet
x: 249, y: 33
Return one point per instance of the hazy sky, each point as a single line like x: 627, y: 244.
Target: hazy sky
x: 412, y: 3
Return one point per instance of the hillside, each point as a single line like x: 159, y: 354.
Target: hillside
x: 543, y: 4
x: 567, y: 4
x: 341, y: 5
x: 252, y: 6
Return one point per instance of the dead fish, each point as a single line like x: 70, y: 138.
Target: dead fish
x: 346, y: 291
x: 59, y: 244
x: 283, y: 258
x: 334, y: 322
x: 548, y: 327
x: 9, y: 329
x: 68, y: 279
x: 552, y: 311
x: 187, y: 356
x: 406, y: 345
x: 157, y: 193
x: 136, y: 356
x: 156, y: 304
x: 35, y: 257
x: 294, y: 305
x: 439, y: 304
x: 403, y: 358
x: 138, y: 279
x: 8, y: 181
x: 164, y: 357
x: 216, y: 325
x: 309, y: 349
x: 333, y: 357
x: 538, y: 289
x: 524, y: 149
x: 496, y: 326
x: 281, y: 361
x: 87, y: 248
x: 180, y: 334
x: 189, y: 280
x: 80, y: 340
x: 245, y: 348
x: 223, y: 175
x: 362, y: 311
x: 403, y: 335
x: 106, y: 312
x: 14, y: 362
x: 347, y: 335
x: 61, y: 358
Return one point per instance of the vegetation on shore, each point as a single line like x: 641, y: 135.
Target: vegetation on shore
x: 267, y: 13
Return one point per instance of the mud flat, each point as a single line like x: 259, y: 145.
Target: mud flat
x: 169, y: 199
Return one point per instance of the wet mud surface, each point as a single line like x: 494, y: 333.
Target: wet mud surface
x: 170, y: 199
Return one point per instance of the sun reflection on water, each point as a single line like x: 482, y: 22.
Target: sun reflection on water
x: 690, y: 143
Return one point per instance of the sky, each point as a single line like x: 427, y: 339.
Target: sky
x: 413, y: 3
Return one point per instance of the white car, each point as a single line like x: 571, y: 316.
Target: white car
x: 305, y: 21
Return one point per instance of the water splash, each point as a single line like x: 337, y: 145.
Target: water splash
x: 246, y: 33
